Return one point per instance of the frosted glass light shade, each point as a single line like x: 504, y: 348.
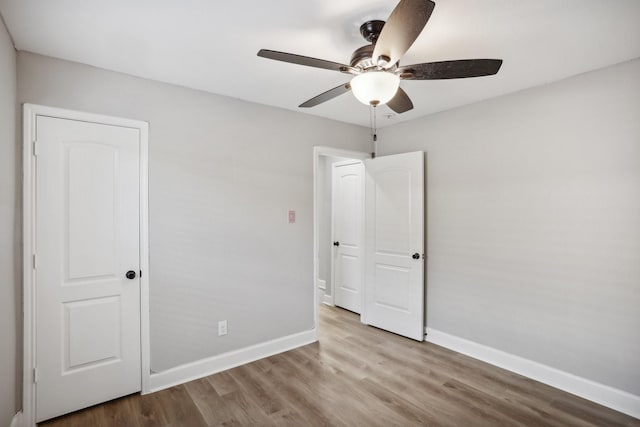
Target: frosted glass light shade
x: 375, y: 87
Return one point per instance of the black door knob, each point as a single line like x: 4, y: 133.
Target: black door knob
x: 336, y: 243
x: 131, y: 274
x: 415, y: 256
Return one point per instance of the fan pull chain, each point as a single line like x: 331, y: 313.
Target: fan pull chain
x: 374, y: 129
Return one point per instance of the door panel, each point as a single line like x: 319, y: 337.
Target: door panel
x: 348, y: 229
x: 87, y: 238
x: 394, y: 289
x: 84, y: 320
x: 393, y: 207
x: 350, y: 273
x: 92, y: 250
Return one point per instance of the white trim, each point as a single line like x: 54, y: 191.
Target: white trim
x: 145, y: 322
x: 211, y: 365
x: 610, y: 397
x: 323, y: 297
x: 322, y: 284
x: 327, y: 300
x: 317, y: 152
x: 28, y: 228
x: 30, y: 111
x: 16, y: 420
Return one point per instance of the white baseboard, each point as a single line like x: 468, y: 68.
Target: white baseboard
x: 202, y: 368
x: 322, y: 293
x: 16, y: 421
x: 610, y: 397
x: 327, y: 299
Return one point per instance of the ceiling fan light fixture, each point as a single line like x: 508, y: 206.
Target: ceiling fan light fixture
x: 375, y: 87
x: 376, y: 66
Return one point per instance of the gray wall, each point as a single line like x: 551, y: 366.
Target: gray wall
x: 9, y: 223
x: 534, y: 222
x: 223, y: 174
x: 533, y: 207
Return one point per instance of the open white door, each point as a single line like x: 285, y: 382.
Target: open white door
x: 87, y: 264
x: 394, y: 286
x: 348, y: 233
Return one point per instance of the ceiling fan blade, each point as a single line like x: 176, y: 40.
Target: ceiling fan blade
x: 451, y: 69
x: 303, y: 60
x: 403, y: 27
x: 400, y: 103
x: 325, y: 96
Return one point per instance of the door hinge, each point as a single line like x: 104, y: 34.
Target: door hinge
x: 141, y: 274
x: 35, y: 261
x: 35, y: 375
x: 36, y: 148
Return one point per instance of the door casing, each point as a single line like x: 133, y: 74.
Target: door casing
x: 30, y: 112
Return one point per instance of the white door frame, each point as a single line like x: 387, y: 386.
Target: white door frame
x: 319, y: 151
x: 30, y: 111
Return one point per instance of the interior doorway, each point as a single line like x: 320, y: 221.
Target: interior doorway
x: 324, y: 160
x: 388, y: 224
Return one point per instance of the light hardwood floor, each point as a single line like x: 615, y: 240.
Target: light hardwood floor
x: 355, y: 376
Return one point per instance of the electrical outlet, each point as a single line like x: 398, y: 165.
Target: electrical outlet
x: 222, y: 328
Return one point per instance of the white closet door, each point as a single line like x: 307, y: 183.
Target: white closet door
x: 348, y: 233
x: 87, y: 239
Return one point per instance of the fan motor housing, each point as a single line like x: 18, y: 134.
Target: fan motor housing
x: 361, y: 57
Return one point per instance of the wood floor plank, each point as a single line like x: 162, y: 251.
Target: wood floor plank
x: 586, y: 410
x: 244, y: 411
x: 123, y: 412
x: 212, y: 407
x: 171, y: 407
x: 93, y: 416
x: 223, y: 383
x: 355, y: 376
x: 310, y: 389
x: 257, y: 388
x: 288, y: 417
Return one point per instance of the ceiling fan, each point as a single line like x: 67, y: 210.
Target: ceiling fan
x: 376, y: 68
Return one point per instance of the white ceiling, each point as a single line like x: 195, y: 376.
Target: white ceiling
x: 211, y: 45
